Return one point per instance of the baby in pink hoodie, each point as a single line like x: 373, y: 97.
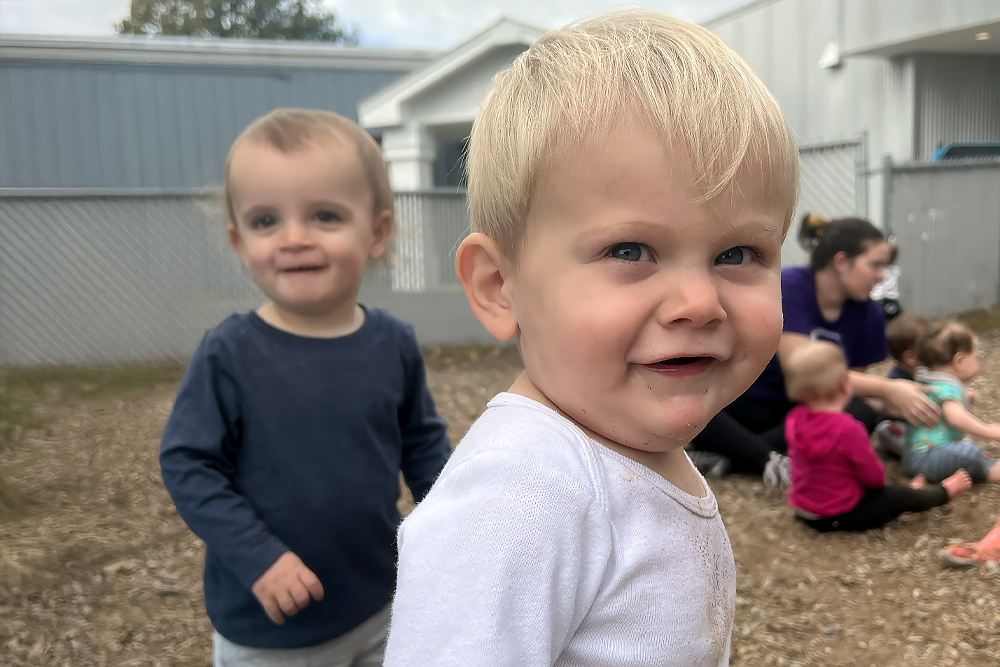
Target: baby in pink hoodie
x: 838, y: 482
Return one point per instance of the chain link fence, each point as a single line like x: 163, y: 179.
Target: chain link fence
x: 126, y: 277
x: 834, y: 184
x: 118, y: 279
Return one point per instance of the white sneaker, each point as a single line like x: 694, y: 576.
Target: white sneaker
x: 711, y: 466
x: 891, y: 438
x: 778, y: 471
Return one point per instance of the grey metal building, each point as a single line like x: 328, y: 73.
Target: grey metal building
x: 140, y: 114
x: 904, y: 76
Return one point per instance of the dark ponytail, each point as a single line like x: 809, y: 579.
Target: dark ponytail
x: 825, y: 238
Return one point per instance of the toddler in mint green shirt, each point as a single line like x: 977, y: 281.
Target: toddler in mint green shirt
x: 949, y: 353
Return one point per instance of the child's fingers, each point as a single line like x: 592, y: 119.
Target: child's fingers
x: 272, y: 609
x: 287, y: 603
x: 300, y: 594
x: 312, y: 584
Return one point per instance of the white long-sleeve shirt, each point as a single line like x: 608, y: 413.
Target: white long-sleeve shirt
x: 539, y: 546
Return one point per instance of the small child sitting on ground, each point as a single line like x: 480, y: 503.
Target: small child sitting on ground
x: 949, y: 352
x: 902, y: 335
x: 838, y: 483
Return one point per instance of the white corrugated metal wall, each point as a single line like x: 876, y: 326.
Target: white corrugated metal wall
x: 783, y: 41
x: 907, y: 104
x: 957, y: 99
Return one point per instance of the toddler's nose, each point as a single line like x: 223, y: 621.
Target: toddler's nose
x: 296, y: 235
x: 691, y: 299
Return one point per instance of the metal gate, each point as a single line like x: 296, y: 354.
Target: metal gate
x: 834, y: 183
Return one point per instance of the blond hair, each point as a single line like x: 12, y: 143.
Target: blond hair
x: 814, y: 371
x: 574, y: 83
x: 288, y: 130
x: 942, y: 341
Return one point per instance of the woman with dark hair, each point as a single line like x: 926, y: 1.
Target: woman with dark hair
x: 827, y: 300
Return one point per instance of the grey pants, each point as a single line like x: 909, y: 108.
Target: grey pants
x: 940, y: 462
x: 364, y: 646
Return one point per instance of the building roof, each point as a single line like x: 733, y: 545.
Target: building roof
x: 384, y: 109
x: 209, y: 51
x: 736, y: 12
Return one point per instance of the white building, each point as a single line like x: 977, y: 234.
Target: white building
x: 435, y: 105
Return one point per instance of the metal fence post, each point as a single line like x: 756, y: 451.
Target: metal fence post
x: 861, y: 175
x: 887, y: 194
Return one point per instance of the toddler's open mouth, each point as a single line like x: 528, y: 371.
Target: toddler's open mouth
x: 681, y: 366
x: 300, y: 269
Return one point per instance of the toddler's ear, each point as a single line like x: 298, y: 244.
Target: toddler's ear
x: 483, y: 271
x: 845, y: 385
x: 237, y: 242
x: 382, y: 232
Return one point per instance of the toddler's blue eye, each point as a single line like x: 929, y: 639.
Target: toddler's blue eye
x: 629, y: 252
x: 735, y: 255
x: 263, y: 222
x: 327, y: 216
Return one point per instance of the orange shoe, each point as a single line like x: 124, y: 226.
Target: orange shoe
x: 972, y: 554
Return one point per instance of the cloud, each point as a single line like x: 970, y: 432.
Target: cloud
x: 426, y: 24
x: 61, y: 17
x: 442, y: 24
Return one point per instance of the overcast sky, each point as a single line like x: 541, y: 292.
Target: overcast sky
x: 434, y: 24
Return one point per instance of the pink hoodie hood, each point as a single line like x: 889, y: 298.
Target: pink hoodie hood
x: 815, y: 434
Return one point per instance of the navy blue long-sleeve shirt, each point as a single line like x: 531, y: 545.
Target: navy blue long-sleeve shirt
x: 279, y: 442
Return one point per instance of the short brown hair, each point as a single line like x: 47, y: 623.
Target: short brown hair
x: 893, y: 253
x: 903, y: 333
x: 814, y: 371
x: 942, y: 341
x: 288, y: 130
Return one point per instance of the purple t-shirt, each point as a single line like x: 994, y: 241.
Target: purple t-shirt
x: 860, y: 331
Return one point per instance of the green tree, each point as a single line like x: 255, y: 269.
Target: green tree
x: 246, y: 19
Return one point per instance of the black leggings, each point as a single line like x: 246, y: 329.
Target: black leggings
x: 880, y: 506
x: 749, y: 429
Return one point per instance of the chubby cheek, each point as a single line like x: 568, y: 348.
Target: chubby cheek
x: 349, y: 255
x: 258, y: 261
x: 570, y: 333
x: 350, y: 263
x: 758, y: 323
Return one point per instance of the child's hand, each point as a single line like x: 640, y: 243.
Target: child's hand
x: 972, y: 395
x: 287, y: 586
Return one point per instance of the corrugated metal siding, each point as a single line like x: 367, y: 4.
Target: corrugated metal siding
x: 120, y: 126
x: 946, y: 219
x: 782, y: 41
x: 958, y: 99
